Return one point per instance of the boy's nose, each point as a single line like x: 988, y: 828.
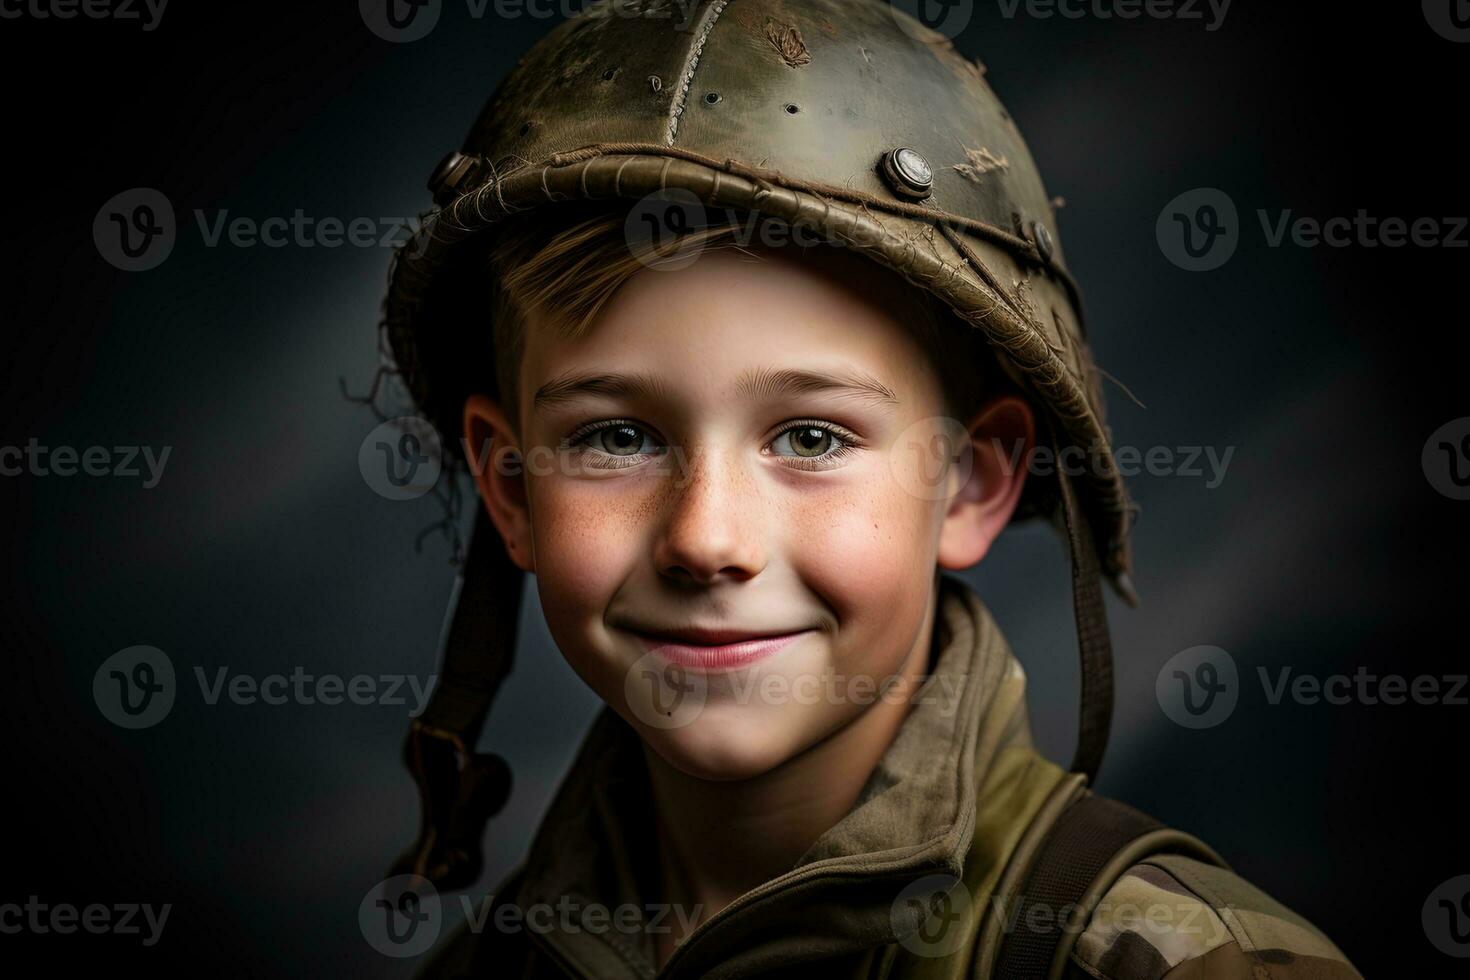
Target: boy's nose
x: 713, y: 525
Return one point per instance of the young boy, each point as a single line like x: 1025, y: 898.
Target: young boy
x: 777, y: 315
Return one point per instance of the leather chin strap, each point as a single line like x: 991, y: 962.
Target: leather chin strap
x: 460, y: 789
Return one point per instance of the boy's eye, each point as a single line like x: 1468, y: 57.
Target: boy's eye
x: 620, y: 439
x: 807, y: 440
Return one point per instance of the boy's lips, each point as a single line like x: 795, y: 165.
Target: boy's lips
x: 716, y: 649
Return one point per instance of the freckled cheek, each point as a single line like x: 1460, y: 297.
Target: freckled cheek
x: 867, y: 548
x: 587, y: 539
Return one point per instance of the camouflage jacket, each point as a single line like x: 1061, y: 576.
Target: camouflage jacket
x: 959, y: 793
x: 1215, y: 925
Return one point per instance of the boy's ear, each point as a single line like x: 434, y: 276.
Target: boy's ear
x: 1001, y: 436
x: 496, y: 462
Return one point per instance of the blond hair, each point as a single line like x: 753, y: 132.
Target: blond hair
x: 565, y: 271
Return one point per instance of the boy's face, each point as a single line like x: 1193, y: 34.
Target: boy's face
x: 753, y: 446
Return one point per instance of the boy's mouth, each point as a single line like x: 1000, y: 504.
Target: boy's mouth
x: 716, y: 649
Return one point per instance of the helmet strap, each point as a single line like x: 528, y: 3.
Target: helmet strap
x: 460, y: 789
x: 1094, y: 643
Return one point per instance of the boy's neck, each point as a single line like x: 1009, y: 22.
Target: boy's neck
x: 718, y: 840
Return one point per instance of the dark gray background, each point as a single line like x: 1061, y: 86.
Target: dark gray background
x: 262, y: 549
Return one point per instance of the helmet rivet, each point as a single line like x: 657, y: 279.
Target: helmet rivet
x: 908, y: 173
x: 1043, y: 240
x: 450, y: 176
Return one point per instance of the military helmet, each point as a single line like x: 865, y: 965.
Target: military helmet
x: 847, y: 117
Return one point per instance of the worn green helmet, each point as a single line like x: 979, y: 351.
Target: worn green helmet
x: 846, y: 117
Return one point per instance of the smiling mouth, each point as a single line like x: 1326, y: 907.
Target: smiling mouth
x: 717, y: 649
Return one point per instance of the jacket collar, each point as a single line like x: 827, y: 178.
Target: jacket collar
x: 914, y: 817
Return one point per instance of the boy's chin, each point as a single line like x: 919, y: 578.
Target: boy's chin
x: 732, y: 744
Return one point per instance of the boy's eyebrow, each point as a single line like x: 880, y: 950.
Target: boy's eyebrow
x: 765, y: 382
x: 755, y: 383
x: 570, y: 386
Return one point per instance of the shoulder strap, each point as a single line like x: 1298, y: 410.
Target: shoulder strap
x: 1091, y: 844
